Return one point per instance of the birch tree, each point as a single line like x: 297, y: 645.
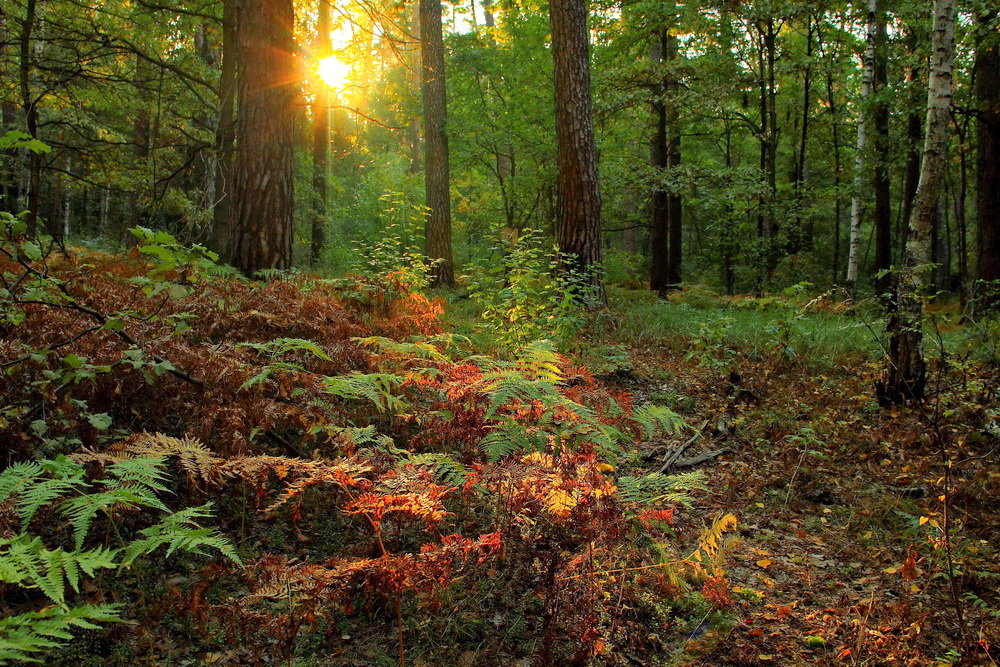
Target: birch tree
x: 906, y: 374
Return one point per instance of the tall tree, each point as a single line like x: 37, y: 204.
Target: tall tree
x: 437, y: 229
x: 905, y: 376
x: 263, y: 202
x: 987, y: 74
x: 321, y: 137
x: 665, y: 156
x: 882, y: 217
x: 225, y: 133
x: 857, y: 199
x: 578, y: 198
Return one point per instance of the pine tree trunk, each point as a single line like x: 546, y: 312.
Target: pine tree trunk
x: 225, y: 135
x: 263, y: 201
x: 578, y: 208
x: 437, y: 229
x: 857, y: 199
x: 987, y: 74
x: 320, y: 139
x: 906, y: 374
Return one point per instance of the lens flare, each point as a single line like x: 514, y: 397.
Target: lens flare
x: 333, y: 72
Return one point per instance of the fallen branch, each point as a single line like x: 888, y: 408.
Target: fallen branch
x: 702, y: 458
x: 674, y: 455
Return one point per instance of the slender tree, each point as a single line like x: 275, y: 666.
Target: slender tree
x: 905, y: 376
x: 578, y: 199
x: 665, y: 155
x: 321, y: 137
x: 882, y: 215
x: 857, y: 199
x: 263, y: 204
x: 437, y: 229
x: 987, y: 74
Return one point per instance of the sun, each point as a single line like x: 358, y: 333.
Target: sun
x: 333, y: 71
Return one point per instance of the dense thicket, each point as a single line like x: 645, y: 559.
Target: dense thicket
x: 746, y: 112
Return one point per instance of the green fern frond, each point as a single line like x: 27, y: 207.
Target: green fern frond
x: 656, y: 488
x: 378, y: 388
x: 445, y: 468
x: 655, y: 420
x: 26, y: 561
x: 415, y: 350
x: 180, y: 531
x: 281, y: 346
x: 35, y: 487
x: 27, y: 637
x: 541, y: 361
x: 510, y: 438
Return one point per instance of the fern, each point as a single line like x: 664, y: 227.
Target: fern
x: 25, y: 637
x: 445, y: 468
x: 415, y: 350
x: 656, y: 419
x: 180, y: 531
x: 25, y: 561
x: 541, y: 361
x: 34, y: 486
x: 281, y: 346
x: 656, y: 488
x: 510, y: 438
x: 377, y: 388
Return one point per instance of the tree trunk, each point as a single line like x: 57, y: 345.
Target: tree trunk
x: 578, y: 208
x: 29, y: 104
x: 987, y: 74
x: 883, y: 210
x: 914, y: 140
x: 857, y: 199
x: 905, y: 376
x: 221, y: 240
x: 437, y: 229
x: 321, y: 139
x: 800, y: 238
x: 263, y: 202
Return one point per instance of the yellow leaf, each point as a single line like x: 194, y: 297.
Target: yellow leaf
x: 914, y: 588
x: 924, y: 520
x: 763, y: 563
x: 891, y: 570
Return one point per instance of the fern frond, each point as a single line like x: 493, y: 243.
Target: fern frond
x: 378, y: 388
x: 510, y: 438
x: 281, y: 346
x: 180, y: 531
x: 27, y: 637
x: 540, y: 361
x: 654, y: 420
x: 415, y: 350
x: 445, y: 468
x: 17, y: 476
x: 656, y: 488
x: 35, y: 488
x: 26, y: 561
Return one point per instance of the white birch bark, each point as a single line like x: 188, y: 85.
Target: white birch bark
x: 857, y: 204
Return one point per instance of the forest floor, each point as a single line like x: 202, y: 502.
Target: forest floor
x: 397, y: 495
x: 868, y: 535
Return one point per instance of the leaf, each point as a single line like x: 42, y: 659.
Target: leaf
x: 101, y: 421
x: 764, y: 563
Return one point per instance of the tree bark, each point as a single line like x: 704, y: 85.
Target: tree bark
x: 857, y: 199
x: 225, y: 135
x: 667, y: 207
x: 437, y: 228
x: 882, y: 218
x: 987, y: 75
x: 263, y: 202
x: 578, y: 207
x: 320, y: 138
x: 905, y: 377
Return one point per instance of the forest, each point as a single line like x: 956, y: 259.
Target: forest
x: 499, y: 332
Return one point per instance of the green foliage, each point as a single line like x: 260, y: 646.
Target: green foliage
x: 377, y: 388
x: 656, y: 488
x: 524, y: 294
x: 27, y: 637
x: 60, y: 485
